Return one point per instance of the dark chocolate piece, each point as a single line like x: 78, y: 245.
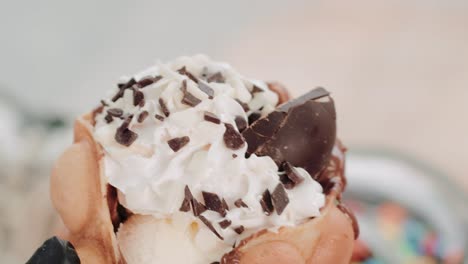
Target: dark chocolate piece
x: 239, y: 230
x: 177, y: 143
x: 256, y: 89
x: 116, y: 112
x: 254, y: 117
x: 266, y: 203
x: 224, y: 204
x: 301, y: 132
x: 239, y: 203
x: 188, y: 99
x: 125, y: 136
x: 232, y: 138
x: 234, y: 155
x: 138, y: 98
x: 241, y: 123
x: 225, y: 223
x: 217, y: 77
x: 244, y: 105
x: 142, y: 116
x: 148, y: 81
x: 213, y: 203
x: 103, y: 103
x: 184, y: 71
x: 280, y: 199
x: 210, y: 117
x: 159, y: 117
x: 122, y: 87
x: 206, y: 89
x: 55, y: 250
x: 164, y: 108
x: 185, y: 206
x: 210, y: 226
x: 291, y: 176
x: 108, y: 118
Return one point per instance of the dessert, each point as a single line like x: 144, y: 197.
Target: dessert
x: 190, y: 162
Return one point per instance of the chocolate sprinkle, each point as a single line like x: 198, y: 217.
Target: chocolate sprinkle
x: 164, y: 108
x: 206, y: 89
x: 116, y: 112
x: 122, y: 87
x: 108, y: 118
x: 232, y: 138
x: 103, y: 103
x: 213, y: 203
x: 244, y: 105
x: 210, y: 117
x: 148, y: 81
x: 266, y: 202
x: 188, y: 99
x: 239, y: 203
x: 143, y: 115
x: 291, y: 176
x: 177, y: 143
x: 239, y: 230
x: 125, y: 136
x: 217, y: 77
x: 225, y: 223
x: 256, y: 89
x: 240, y: 123
x: 184, y: 71
x: 138, y: 98
x: 234, y: 155
x: 280, y: 199
x: 210, y: 226
x: 159, y: 117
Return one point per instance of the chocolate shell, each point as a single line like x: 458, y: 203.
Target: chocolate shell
x: 301, y: 132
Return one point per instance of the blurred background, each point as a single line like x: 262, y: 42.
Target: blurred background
x: 398, y: 71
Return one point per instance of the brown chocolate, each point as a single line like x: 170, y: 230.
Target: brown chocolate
x: 164, y: 108
x: 138, y: 98
x: 244, y: 105
x: 291, y: 176
x: 217, y: 77
x: 125, y: 136
x: 210, y: 117
x: 188, y: 98
x: 148, y: 81
x: 210, y: 226
x: 239, y: 203
x: 301, y: 132
x: 239, y: 230
x: 256, y: 89
x: 206, y: 89
x: 108, y: 118
x: 225, y: 223
x: 213, y: 203
x: 266, y: 202
x: 177, y: 143
x: 142, y: 116
x: 279, y: 198
x: 232, y: 138
x: 115, y: 112
x: 254, y: 117
x: 241, y: 123
x: 159, y: 117
x: 122, y: 87
x: 184, y: 71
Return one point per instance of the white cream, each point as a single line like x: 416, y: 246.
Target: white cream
x: 151, y: 177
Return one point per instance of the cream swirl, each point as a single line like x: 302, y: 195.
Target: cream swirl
x: 151, y: 176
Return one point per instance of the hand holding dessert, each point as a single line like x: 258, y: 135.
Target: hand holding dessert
x: 190, y: 162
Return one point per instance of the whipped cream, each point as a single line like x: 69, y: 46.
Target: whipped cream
x: 150, y: 176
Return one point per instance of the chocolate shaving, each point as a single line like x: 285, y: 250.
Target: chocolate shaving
x: 291, y: 176
x: 239, y: 230
x: 266, y: 203
x: 240, y: 123
x: 108, y: 118
x: 225, y: 223
x: 280, y: 199
x: 122, y: 87
x: 184, y: 71
x: 138, y: 98
x: 116, y: 112
x: 217, y: 77
x: 244, y: 105
x: 159, y: 117
x: 188, y: 99
x: 143, y: 115
x: 103, y: 103
x: 232, y: 138
x: 210, y: 226
x: 177, y: 143
x: 213, y: 203
x: 148, y: 81
x: 164, y: 108
x: 210, y: 117
x: 234, y: 155
x: 239, y: 203
x: 125, y: 136
x: 256, y: 89
x: 188, y: 197
x: 206, y: 89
